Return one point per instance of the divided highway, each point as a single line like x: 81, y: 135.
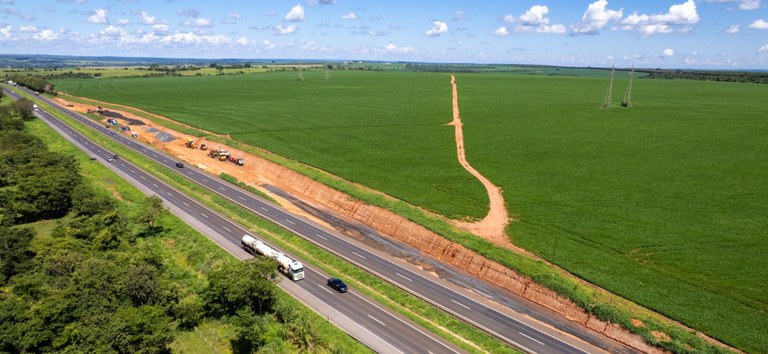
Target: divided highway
x: 382, y: 330
x: 513, y: 331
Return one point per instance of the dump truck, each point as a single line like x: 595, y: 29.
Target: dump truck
x: 203, y: 146
x: 223, y: 155
x: 292, y: 269
x: 236, y: 160
x: 214, y: 152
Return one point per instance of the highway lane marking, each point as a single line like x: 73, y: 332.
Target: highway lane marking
x: 359, y: 255
x: 321, y: 236
x: 132, y: 171
x: 169, y: 193
x: 156, y: 186
x: 324, y: 288
x: 263, y: 208
x: 222, y: 188
x: 206, y: 216
x: 226, y: 228
x: 375, y: 319
x: 205, y: 179
x: 290, y: 222
x: 460, y: 304
x: 185, y: 203
x: 403, y: 276
x: 529, y: 337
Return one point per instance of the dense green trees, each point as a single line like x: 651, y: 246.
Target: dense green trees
x: 94, y: 284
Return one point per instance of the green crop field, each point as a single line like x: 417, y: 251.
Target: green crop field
x: 665, y: 203
x: 384, y: 130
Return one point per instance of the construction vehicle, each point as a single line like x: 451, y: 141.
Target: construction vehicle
x: 236, y: 160
x: 286, y: 265
x: 190, y: 143
x: 203, y: 146
x: 214, y: 153
x: 223, y: 155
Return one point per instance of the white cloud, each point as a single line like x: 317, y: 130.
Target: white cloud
x: 437, y: 29
x: 321, y: 2
x: 123, y: 22
x: 501, y: 31
x: 535, y: 20
x: 391, y: 48
x: 198, y: 22
x: 733, y: 29
x: 28, y: 29
x: 5, y: 32
x: 99, y: 16
x: 743, y: 4
x: 759, y: 24
x: 596, y: 17
x: 234, y: 15
x: 161, y: 28
x: 349, y: 16
x: 243, y: 41
x: 146, y: 19
x: 296, y: 13
x: 763, y: 49
x: 279, y: 30
x: 45, y: 35
x: 460, y: 15
x: 680, y: 17
x: 668, y: 52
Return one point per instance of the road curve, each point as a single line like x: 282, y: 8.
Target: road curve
x: 516, y: 332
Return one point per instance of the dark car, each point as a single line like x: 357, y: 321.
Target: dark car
x: 116, y: 157
x: 179, y: 165
x: 338, y: 285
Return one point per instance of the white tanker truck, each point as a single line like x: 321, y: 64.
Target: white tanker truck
x: 293, y: 269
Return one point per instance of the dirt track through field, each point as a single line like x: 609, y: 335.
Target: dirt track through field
x: 493, y: 225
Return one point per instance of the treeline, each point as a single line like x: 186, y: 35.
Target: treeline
x: 95, y: 285
x: 32, y: 82
x: 726, y: 76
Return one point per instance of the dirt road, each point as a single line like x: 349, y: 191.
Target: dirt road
x: 493, y: 225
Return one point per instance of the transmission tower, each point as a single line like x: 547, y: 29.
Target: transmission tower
x: 326, y: 73
x: 609, y: 95
x: 301, y: 73
x: 627, y: 102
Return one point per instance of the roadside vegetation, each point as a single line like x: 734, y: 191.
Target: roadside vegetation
x: 665, y: 194
x: 90, y: 264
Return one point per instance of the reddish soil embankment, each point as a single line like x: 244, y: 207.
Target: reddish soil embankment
x: 259, y: 171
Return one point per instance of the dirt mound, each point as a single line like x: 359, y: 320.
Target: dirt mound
x: 129, y: 121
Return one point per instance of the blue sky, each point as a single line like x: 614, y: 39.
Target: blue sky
x: 724, y: 34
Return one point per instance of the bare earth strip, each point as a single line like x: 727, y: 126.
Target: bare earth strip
x: 493, y: 225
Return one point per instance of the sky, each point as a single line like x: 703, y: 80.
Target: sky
x: 699, y: 34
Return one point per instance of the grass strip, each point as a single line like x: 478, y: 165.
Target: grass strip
x: 437, y: 321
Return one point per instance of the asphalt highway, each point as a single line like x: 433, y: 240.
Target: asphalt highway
x: 511, y: 330
x: 377, y: 327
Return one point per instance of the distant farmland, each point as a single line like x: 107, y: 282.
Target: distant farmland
x: 665, y: 203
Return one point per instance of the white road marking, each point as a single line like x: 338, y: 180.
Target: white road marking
x: 205, y: 179
x: 403, y: 276
x: 359, y: 255
x: 226, y: 228
x: 374, y: 318
x: 222, y: 188
x: 460, y: 304
x: 185, y: 203
x: 529, y: 337
x: 290, y: 222
x: 206, y: 216
x: 142, y: 177
x: 156, y: 186
x: 241, y: 198
x: 321, y: 236
x: 263, y: 208
x: 132, y: 171
x: 325, y: 288
x: 169, y: 193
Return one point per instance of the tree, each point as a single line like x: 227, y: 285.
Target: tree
x: 139, y: 330
x: 15, y: 255
x: 24, y: 109
x: 152, y: 210
x: 142, y: 285
x: 249, y: 285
